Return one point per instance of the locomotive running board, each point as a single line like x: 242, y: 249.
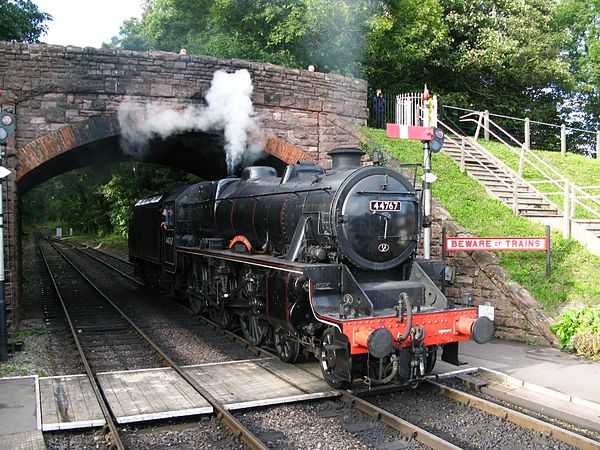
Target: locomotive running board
x: 268, y: 262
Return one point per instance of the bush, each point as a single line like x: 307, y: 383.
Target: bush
x: 587, y: 345
x: 576, y: 322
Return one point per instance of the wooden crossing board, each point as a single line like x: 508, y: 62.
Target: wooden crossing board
x: 69, y: 402
x: 259, y: 382
x: 150, y: 394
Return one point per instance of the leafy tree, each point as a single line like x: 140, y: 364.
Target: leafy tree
x: 71, y: 200
x: 128, y: 38
x: 97, y: 200
x: 581, y: 21
x: 132, y: 181
x: 295, y: 33
x: 20, y: 20
x: 402, y: 44
x: 503, y: 54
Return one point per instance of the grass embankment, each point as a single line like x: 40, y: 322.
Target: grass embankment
x: 575, y: 276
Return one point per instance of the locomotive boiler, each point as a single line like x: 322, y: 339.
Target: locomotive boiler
x: 319, y: 261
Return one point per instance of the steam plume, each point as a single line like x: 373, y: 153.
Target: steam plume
x: 228, y: 109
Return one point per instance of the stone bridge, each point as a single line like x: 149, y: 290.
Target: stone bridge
x: 65, y: 100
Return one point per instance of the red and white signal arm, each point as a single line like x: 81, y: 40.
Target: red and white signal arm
x: 411, y: 132
x: 496, y: 244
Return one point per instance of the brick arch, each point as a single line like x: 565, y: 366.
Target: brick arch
x: 101, y: 128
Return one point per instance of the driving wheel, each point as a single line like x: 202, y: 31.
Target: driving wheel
x: 287, y: 349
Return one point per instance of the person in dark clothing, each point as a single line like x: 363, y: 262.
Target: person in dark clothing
x: 379, y: 109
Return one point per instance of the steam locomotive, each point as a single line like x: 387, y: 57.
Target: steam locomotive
x: 317, y: 260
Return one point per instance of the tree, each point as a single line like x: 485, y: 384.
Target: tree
x: 504, y: 54
x: 98, y: 200
x: 581, y: 21
x: 404, y: 39
x: 132, y: 181
x: 294, y: 33
x: 20, y: 20
x: 128, y: 38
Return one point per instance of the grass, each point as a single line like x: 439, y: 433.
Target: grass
x: 575, y: 278
x: 575, y: 168
x: 33, y: 361
x: 112, y: 243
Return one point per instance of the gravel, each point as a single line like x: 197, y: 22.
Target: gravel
x: 460, y: 385
x: 322, y: 425
x: 463, y: 426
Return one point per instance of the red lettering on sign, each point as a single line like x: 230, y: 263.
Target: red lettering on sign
x: 497, y: 244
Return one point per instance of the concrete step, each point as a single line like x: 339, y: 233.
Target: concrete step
x: 489, y: 177
x: 505, y: 187
x: 589, y: 223
x: 539, y: 213
x: 593, y: 226
x: 522, y: 189
x: 535, y: 208
x: 524, y: 199
x: 530, y: 206
x: 479, y: 166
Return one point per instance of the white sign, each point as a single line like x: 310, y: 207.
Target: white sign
x: 496, y: 244
x: 486, y: 311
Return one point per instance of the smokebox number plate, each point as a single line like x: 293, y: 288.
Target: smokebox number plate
x: 384, y: 205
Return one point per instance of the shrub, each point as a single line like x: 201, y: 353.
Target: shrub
x: 572, y: 322
x: 587, y: 345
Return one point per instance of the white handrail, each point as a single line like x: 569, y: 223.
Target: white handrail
x: 522, y: 146
x: 549, y: 174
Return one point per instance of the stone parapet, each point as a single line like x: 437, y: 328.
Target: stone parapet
x: 52, y: 86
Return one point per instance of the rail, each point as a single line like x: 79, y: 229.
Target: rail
x: 240, y: 430
x: 565, y: 131
x: 111, y: 424
x: 516, y: 417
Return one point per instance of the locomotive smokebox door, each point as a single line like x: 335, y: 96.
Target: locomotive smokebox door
x: 377, y: 218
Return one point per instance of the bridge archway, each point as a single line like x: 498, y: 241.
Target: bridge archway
x: 97, y: 140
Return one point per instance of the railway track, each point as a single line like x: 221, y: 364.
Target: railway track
x: 225, y: 416
x: 420, y: 433
x: 114, y: 262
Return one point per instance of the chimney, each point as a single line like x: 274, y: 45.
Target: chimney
x: 345, y: 158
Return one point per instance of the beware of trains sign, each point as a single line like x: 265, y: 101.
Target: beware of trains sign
x: 496, y: 244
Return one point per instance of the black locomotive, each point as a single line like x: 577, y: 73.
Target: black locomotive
x: 319, y: 261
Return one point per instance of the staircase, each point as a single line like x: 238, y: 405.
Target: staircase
x: 499, y: 180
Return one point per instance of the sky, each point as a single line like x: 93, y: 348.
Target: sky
x: 86, y: 23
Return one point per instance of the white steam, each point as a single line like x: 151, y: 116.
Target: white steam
x: 228, y: 109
